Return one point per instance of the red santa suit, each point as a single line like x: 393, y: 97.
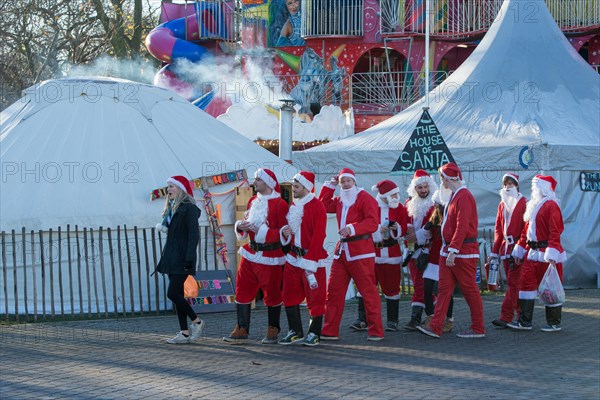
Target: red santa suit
x: 354, y: 258
x: 509, y: 225
x: 388, y: 255
x: 260, y: 267
x: 308, y: 222
x: 459, y: 235
x: 539, y: 245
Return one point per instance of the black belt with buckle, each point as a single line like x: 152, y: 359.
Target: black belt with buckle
x: 537, y: 245
x: 470, y: 240
x: 264, y: 246
x: 355, y: 238
x: 298, y: 251
x: 386, y: 243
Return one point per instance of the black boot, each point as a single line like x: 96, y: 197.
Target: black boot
x: 392, y: 315
x: 553, y: 317
x: 242, y: 328
x: 415, y: 319
x: 526, y: 316
x: 274, y: 314
x: 361, y: 322
x: 294, y: 320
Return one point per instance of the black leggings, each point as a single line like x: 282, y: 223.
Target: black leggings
x: 430, y: 288
x: 175, y: 294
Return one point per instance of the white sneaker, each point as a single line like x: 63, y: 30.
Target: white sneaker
x: 470, y: 335
x: 196, y: 330
x: 178, y: 339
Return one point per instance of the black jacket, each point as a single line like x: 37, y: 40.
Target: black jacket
x: 179, y: 253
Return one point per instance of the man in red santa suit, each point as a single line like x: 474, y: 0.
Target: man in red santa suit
x: 262, y: 258
x: 509, y: 225
x: 388, y: 255
x: 419, y: 207
x: 354, y: 258
x: 540, y: 246
x: 458, y: 256
x: 304, y: 268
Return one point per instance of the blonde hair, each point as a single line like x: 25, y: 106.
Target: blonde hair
x: 180, y: 198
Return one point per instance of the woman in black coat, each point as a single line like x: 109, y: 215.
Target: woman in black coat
x: 178, y: 259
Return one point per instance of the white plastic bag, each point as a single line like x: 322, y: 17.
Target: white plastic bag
x: 551, y: 291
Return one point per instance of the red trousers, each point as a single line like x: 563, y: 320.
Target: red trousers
x: 510, y: 304
x: 363, y: 273
x: 251, y: 276
x: 533, y: 272
x: 463, y: 273
x: 416, y: 276
x: 388, y: 277
x: 296, y: 289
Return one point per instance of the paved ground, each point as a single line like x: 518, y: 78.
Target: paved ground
x: 127, y: 359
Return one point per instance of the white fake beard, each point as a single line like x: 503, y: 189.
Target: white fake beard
x: 348, y: 196
x: 257, y: 215
x: 393, y: 203
x: 509, y: 197
x: 536, y: 197
x: 417, y: 206
x: 294, y: 218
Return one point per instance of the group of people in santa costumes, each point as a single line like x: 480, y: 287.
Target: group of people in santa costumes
x: 285, y: 256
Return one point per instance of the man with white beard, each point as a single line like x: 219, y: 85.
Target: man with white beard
x: 509, y: 225
x: 538, y: 248
x: 419, y: 207
x: 305, y: 233
x: 262, y: 258
x: 354, y: 258
x: 388, y: 257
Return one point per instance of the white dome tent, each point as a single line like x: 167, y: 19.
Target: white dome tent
x: 524, y: 101
x: 90, y: 151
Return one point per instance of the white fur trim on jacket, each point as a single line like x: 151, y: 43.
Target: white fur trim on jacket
x: 303, y: 263
x: 352, y: 231
x: 388, y: 260
x: 554, y: 255
x: 377, y: 236
x: 260, y: 259
x: 261, y: 234
x: 432, y: 272
x: 422, y: 236
x: 329, y: 185
x: 519, y: 252
x: 528, y: 295
x: 238, y: 235
x: 282, y: 238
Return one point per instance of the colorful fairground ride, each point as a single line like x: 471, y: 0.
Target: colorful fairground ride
x: 362, y: 55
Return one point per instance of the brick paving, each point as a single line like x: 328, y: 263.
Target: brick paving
x: 128, y: 359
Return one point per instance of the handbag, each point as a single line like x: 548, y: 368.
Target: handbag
x: 422, y: 261
x: 190, y: 287
x: 551, y: 291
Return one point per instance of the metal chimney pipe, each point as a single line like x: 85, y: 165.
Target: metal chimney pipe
x: 286, y: 113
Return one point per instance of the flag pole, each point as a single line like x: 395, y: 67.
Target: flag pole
x: 427, y: 5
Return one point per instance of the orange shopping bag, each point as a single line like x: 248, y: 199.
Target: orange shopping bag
x: 190, y: 287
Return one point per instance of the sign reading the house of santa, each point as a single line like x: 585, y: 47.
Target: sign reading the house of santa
x: 425, y: 149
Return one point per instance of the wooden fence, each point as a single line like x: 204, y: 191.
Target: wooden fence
x: 87, y: 272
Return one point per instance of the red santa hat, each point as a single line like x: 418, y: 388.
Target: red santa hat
x: 545, y: 183
x: 182, y: 183
x: 268, y: 177
x: 421, y: 176
x: 451, y: 172
x: 511, y: 175
x: 386, y: 188
x: 347, y: 172
x: 306, y: 179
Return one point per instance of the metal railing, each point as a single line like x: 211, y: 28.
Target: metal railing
x: 332, y: 18
x: 469, y: 17
x: 389, y: 92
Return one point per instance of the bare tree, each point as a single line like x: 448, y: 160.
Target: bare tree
x: 41, y: 39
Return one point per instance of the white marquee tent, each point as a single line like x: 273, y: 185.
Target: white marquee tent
x: 524, y: 101
x: 89, y: 151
